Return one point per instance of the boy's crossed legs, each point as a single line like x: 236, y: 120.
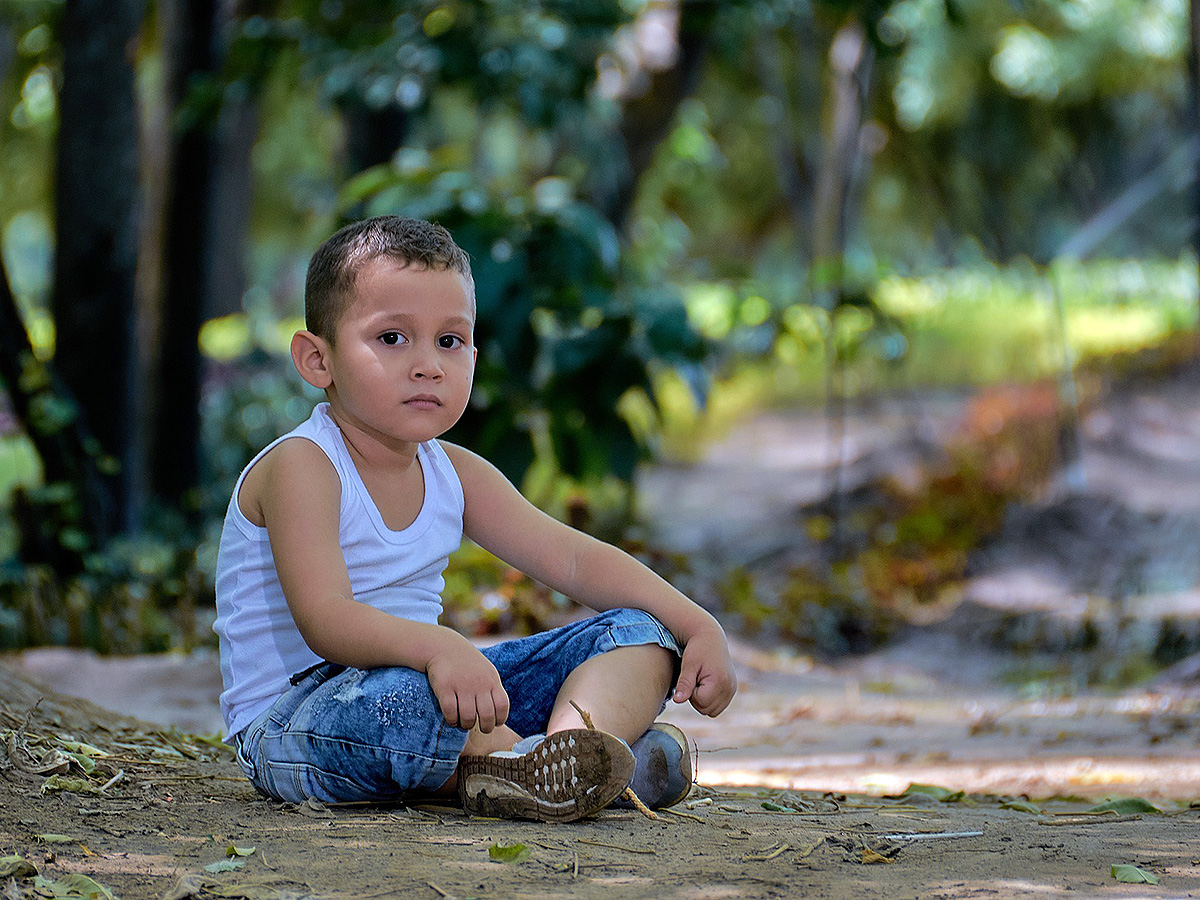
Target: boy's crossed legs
x: 580, y: 765
x: 348, y: 734
x: 622, y: 692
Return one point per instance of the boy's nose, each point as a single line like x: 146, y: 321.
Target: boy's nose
x: 427, y: 367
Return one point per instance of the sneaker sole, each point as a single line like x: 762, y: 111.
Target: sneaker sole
x: 571, y: 774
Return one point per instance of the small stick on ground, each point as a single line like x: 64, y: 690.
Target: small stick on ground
x: 684, y: 815
x: 931, y: 835
x: 629, y: 794
x: 645, y: 850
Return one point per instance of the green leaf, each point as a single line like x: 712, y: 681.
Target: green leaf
x: 81, y: 748
x: 1022, y: 806
x: 509, y: 853
x: 16, y: 867
x: 67, y: 783
x: 85, y: 763
x: 945, y: 795
x: 774, y: 807
x: 72, y: 887
x: 55, y: 838
x: 1127, y: 874
x: 1125, y: 806
x: 366, y: 184
x: 74, y: 539
x: 224, y: 865
x: 233, y: 850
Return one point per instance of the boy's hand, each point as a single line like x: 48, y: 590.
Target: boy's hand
x: 467, y: 686
x: 706, y: 675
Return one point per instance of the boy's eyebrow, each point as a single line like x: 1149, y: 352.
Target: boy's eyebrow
x: 387, y: 318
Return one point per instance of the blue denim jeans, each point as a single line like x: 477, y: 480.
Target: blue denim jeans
x: 342, y: 734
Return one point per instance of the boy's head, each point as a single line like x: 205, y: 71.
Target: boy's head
x: 329, y: 286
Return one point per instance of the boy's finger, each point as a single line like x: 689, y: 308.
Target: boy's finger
x: 685, y: 686
x: 710, y: 696
x: 500, y: 699
x: 449, y: 707
x: 464, y: 716
x: 486, y: 710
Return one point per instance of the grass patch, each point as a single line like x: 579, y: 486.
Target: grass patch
x: 959, y: 329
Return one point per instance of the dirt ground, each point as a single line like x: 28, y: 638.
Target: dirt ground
x: 162, y: 814
x: 161, y: 811
x: 1012, y: 735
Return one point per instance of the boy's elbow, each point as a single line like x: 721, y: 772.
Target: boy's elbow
x: 323, y: 646
x: 322, y: 635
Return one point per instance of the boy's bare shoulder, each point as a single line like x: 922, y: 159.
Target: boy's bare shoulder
x: 469, y: 465
x: 460, y: 456
x: 296, y: 461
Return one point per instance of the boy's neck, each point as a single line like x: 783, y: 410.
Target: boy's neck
x: 373, y: 452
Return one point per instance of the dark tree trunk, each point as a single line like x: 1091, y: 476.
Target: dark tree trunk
x: 189, y: 52
x: 649, y: 117
x: 68, y: 453
x: 1193, y: 61
x: 8, y: 49
x: 232, y: 193
x: 96, y: 206
x: 372, y: 135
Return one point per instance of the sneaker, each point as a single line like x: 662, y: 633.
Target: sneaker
x: 663, y: 775
x: 568, y: 775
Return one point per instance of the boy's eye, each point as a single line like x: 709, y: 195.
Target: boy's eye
x: 450, y: 341
x: 391, y: 338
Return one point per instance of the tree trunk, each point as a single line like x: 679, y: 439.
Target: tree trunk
x: 8, y: 49
x: 849, y: 63
x: 849, y: 58
x: 189, y: 41
x: 791, y: 167
x: 649, y: 117
x: 373, y: 135
x: 233, y: 192
x: 68, y: 453
x: 96, y: 209
x: 1194, y: 107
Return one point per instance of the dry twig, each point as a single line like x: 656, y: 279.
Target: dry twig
x: 629, y: 793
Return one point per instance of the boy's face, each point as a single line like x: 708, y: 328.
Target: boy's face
x: 403, y: 358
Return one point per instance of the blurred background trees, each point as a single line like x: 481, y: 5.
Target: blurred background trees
x: 656, y: 195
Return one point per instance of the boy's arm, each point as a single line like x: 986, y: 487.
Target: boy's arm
x: 298, y: 495
x: 599, y: 575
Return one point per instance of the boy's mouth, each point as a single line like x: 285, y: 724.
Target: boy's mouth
x: 423, y: 401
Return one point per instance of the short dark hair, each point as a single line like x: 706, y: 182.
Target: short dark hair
x: 336, y: 263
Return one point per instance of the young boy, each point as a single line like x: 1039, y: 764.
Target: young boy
x: 339, y: 683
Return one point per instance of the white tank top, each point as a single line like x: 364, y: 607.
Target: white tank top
x: 398, y: 572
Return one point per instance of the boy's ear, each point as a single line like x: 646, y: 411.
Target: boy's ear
x: 309, y: 355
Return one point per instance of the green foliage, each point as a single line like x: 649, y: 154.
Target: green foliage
x: 28, y: 102
x: 250, y: 403
x: 135, y: 597
x: 957, y: 328
x: 995, y: 129
x: 537, y: 57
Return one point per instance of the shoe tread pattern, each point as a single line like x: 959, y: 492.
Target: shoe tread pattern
x: 571, y: 774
